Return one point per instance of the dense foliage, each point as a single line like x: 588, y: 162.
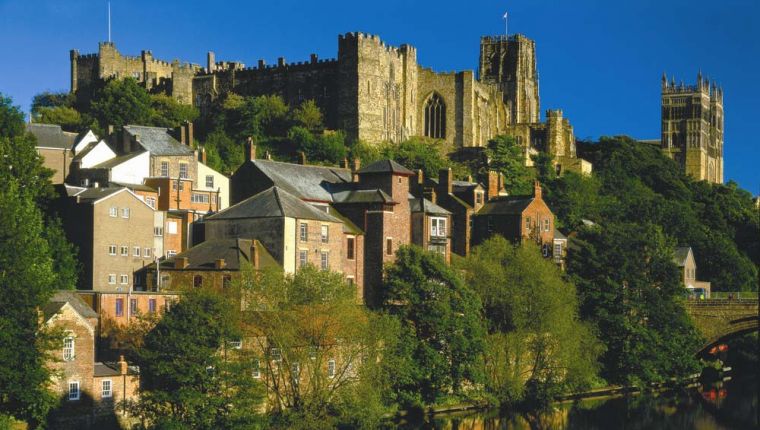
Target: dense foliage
x: 536, y: 347
x: 188, y: 373
x: 442, y: 327
x: 35, y: 260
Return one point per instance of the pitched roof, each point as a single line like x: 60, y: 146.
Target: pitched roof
x: 52, y: 136
x: 235, y: 252
x: 60, y: 298
x: 681, y: 254
x: 115, y: 161
x: 304, y: 181
x: 426, y: 206
x: 363, y: 196
x: 93, y: 194
x: 157, y: 140
x: 558, y: 235
x: 273, y: 203
x: 386, y: 166
x: 506, y: 205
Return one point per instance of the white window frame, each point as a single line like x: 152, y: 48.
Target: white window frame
x: 324, y: 233
x: 106, y: 393
x: 324, y: 260
x: 135, y: 251
x: 113, y: 212
x: 112, y: 249
x: 125, y: 212
x: 165, y: 171
x: 76, y: 393
x: 69, y: 353
x: 209, y: 181
x: 303, y: 232
x: 256, y: 373
x: 158, y: 231
x: 151, y: 201
x: 547, y: 224
x: 124, y: 279
x: 236, y: 344
x: 437, y: 225
x: 331, y: 367
x: 171, y: 253
x: 303, y: 257
x: 275, y: 354
x: 183, y: 171
x: 124, y: 251
x: 171, y: 227
x: 112, y: 278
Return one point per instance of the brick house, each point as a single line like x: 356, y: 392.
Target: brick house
x: 114, y: 231
x: 295, y: 233
x: 518, y: 219
x: 431, y: 226
x: 89, y: 389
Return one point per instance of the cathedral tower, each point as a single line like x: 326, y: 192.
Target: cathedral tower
x: 510, y: 62
x: 692, y: 127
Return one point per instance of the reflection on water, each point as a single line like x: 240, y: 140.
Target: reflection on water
x: 733, y: 405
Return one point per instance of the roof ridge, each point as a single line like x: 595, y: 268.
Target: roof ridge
x: 276, y: 191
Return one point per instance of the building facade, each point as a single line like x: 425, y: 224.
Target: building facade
x: 692, y: 127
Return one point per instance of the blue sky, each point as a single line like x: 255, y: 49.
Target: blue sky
x: 600, y: 61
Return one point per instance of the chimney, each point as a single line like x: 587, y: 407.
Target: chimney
x: 189, y: 127
x: 537, y: 189
x: 417, y: 187
x: 492, y: 184
x: 251, y: 149
x: 314, y: 59
x: 445, y: 180
x: 344, y: 163
x: 123, y: 365
x: 267, y: 155
x: 301, y: 158
x: 355, y: 170
x: 262, y: 64
x: 180, y: 262
x: 254, y: 255
x: 281, y: 61
x: 203, y: 155
x: 109, y: 130
x: 182, y: 134
x: 220, y: 264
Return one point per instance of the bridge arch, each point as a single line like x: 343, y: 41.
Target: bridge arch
x: 719, y: 320
x: 738, y: 327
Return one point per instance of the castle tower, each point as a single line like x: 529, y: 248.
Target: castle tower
x: 510, y: 62
x: 692, y: 127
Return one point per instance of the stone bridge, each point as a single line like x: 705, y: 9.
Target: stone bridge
x: 722, y: 319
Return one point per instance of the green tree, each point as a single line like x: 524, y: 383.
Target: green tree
x: 418, y: 153
x: 507, y: 157
x: 442, y: 330
x: 120, y: 102
x: 48, y: 99
x: 259, y: 116
x: 219, y: 146
x: 322, y: 356
x: 309, y: 116
x: 328, y: 148
x: 168, y: 112
x: 190, y: 377
x: 537, y: 345
x: 68, y: 118
x: 630, y: 289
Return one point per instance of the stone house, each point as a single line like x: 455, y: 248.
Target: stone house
x: 431, y: 226
x: 89, y: 389
x: 58, y: 148
x: 114, y: 231
x: 687, y: 266
x: 518, y: 219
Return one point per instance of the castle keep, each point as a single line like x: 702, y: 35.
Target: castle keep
x: 373, y: 91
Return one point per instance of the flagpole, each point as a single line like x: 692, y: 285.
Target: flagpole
x: 506, y: 23
x: 109, y: 22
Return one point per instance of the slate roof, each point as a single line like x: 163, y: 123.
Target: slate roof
x: 93, y: 194
x: 304, y: 181
x: 113, y: 162
x: 426, y: 206
x: 558, y: 235
x: 158, y: 141
x: 235, y: 252
x: 134, y: 187
x: 81, y: 154
x: 506, y: 206
x: 274, y: 202
x: 386, y: 166
x: 462, y: 186
x: 60, y: 298
x: 681, y: 254
x: 52, y: 136
x: 363, y: 196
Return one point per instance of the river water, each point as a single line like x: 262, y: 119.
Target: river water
x: 726, y: 406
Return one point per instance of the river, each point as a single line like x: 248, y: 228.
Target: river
x: 731, y: 405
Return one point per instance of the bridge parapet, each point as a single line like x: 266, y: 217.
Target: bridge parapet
x: 720, y: 319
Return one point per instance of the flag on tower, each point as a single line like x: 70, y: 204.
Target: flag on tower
x: 506, y: 23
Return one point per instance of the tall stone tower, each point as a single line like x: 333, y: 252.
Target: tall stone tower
x: 510, y: 62
x: 692, y: 127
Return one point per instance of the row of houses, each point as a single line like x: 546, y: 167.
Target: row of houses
x: 150, y: 219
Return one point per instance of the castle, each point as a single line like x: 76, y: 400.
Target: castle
x: 372, y: 91
x: 692, y: 127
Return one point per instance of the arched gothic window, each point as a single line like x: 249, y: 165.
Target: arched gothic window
x: 435, y: 117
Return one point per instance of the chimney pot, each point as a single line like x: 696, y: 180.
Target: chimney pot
x: 251, y: 149
x: 344, y: 163
x: 302, y: 158
x: 203, y: 155
x: 182, y: 134
x: 536, y: 189
x: 189, y: 132
x: 180, y: 262
x: 492, y: 184
x: 445, y: 180
x: 123, y: 368
x: 254, y: 255
x: 220, y: 263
